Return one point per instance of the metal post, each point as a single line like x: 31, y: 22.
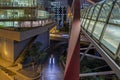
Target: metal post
x: 85, y: 52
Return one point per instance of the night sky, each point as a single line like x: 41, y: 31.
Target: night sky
x: 70, y: 2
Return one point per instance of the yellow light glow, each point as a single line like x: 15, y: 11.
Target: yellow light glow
x: 5, y: 51
x: 69, y: 15
x: 54, y: 30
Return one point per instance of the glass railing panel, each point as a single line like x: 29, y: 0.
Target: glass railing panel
x: 43, y: 14
x: 98, y: 29
x: 18, y: 3
x: 105, y: 11
x: 86, y: 14
x: 111, y: 37
x: 16, y: 14
x: 115, y: 15
x: 96, y: 11
x: 91, y: 25
x: 82, y: 13
x: 90, y: 12
x: 119, y: 55
x: 83, y: 22
x: 8, y: 24
x: 86, y: 23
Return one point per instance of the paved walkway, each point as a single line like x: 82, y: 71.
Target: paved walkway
x: 52, y: 70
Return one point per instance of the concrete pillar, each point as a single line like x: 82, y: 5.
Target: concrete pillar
x: 44, y: 39
x: 7, y: 49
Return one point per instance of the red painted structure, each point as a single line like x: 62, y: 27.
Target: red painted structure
x: 72, y: 69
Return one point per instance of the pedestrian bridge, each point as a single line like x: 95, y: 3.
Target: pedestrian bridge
x: 101, y: 25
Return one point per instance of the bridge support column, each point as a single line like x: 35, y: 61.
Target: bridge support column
x: 72, y: 68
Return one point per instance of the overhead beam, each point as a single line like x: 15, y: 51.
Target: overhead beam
x: 96, y: 73
x: 86, y: 48
x: 92, y: 56
x: 91, y: 1
x: 85, y: 52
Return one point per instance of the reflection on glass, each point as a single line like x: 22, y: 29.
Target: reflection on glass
x: 22, y: 14
x: 43, y: 14
x: 105, y: 11
x: 98, y: 29
x: 15, y: 14
x: 90, y: 12
x: 83, y: 22
x: 95, y: 13
x: 111, y: 38
x: 23, y: 24
x: 6, y: 24
x: 115, y: 17
x: 18, y: 3
x: 91, y: 25
x: 86, y: 23
x: 86, y: 14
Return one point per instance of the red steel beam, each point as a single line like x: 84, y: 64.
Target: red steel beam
x: 91, y: 1
x: 72, y: 68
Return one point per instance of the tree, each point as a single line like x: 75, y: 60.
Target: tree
x: 34, y: 53
x: 37, y: 55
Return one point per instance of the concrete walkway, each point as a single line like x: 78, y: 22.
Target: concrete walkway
x: 52, y: 70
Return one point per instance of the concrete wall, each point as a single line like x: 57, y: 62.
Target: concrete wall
x: 10, y: 50
x: 44, y: 39
x: 7, y: 49
x: 3, y: 76
x: 19, y: 47
x: 23, y: 35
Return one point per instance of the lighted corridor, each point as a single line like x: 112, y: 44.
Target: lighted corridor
x: 52, y: 70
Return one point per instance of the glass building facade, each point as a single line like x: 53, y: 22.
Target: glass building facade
x: 18, y: 3
x: 19, y: 13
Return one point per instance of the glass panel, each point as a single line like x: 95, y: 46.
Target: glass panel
x: 86, y: 23
x: 91, y: 25
x: 42, y: 14
x: 16, y: 14
x: 111, y: 38
x: 83, y: 13
x: 90, y: 12
x: 105, y: 11
x: 95, y: 13
x: 86, y: 13
x: 9, y: 24
x: 18, y: 3
x: 98, y: 29
x: 115, y: 15
x: 81, y: 20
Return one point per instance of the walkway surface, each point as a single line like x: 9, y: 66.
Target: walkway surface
x: 52, y: 70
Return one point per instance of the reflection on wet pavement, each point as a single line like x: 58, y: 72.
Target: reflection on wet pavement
x: 52, y: 70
